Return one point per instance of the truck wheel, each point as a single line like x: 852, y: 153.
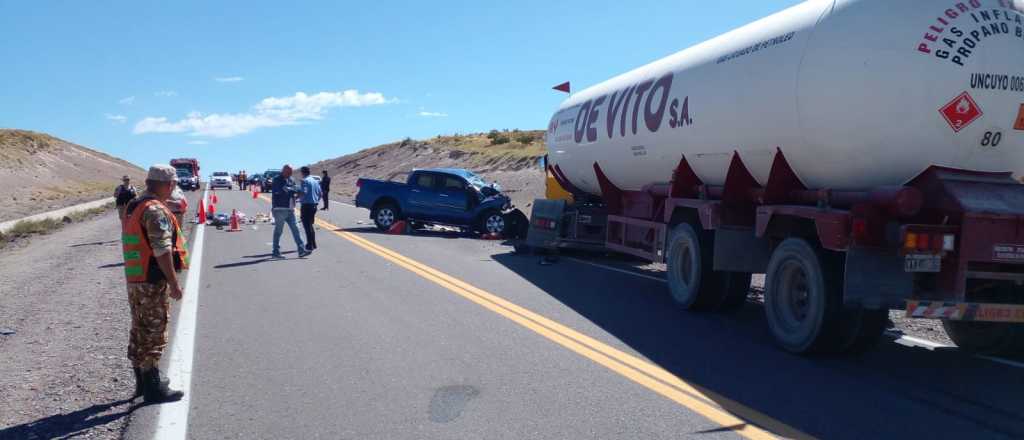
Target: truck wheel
x: 384, y: 216
x: 986, y: 337
x: 693, y: 283
x: 802, y: 298
x: 492, y: 222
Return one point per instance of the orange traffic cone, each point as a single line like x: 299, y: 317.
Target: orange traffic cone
x: 213, y: 209
x: 215, y: 199
x: 255, y: 194
x: 201, y: 214
x: 234, y: 222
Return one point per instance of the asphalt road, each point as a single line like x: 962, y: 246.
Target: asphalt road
x: 436, y: 336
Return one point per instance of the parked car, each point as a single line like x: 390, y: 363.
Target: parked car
x: 256, y: 179
x: 440, y: 196
x: 268, y: 178
x: 220, y: 179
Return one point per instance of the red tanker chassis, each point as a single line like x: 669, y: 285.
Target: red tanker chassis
x: 947, y: 245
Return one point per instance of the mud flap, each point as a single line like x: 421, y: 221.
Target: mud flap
x: 875, y: 280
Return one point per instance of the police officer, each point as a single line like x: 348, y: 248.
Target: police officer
x: 123, y: 194
x: 154, y: 252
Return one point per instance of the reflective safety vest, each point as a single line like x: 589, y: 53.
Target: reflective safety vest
x: 139, y: 264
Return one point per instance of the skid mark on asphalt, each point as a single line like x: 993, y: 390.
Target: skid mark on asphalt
x: 736, y: 417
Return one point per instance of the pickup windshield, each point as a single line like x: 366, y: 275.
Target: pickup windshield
x: 476, y: 181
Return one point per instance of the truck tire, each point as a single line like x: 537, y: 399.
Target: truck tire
x: 385, y: 215
x: 803, y: 298
x: 986, y: 337
x: 693, y: 283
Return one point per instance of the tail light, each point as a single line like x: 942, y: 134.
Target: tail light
x: 359, y: 183
x: 545, y: 223
x: 924, y: 241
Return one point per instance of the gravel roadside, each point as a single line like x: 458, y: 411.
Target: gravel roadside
x: 64, y: 324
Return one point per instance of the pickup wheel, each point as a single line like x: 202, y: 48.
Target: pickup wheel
x: 802, y: 298
x: 385, y: 215
x: 693, y: 283
x: 492, y: 222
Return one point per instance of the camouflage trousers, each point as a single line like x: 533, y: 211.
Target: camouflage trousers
x: 150, y: 307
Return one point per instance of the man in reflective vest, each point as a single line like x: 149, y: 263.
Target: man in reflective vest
x: 154, y: 251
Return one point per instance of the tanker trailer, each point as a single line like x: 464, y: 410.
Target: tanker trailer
x: 863, y: 154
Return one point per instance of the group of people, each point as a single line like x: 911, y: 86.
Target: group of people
x: 243, y: 180
x: 285, y: 194
x: 155, y: 252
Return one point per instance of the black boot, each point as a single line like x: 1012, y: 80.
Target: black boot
x: 157, y: 390
x: 138, y: 382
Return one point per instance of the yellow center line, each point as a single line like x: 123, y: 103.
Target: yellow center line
x: 737, y: 417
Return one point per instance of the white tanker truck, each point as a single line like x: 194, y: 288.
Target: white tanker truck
x: 864, y: 155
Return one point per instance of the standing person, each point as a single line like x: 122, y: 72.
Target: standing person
x: 177, y: 204
x: 154, y: 251
x: 243, y: 181
x: 123, y: 194
x: 325, y: 188
x: 310, y: 200
x: 283, y: 194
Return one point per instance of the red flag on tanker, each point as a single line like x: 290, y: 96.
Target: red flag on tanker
x: 563, y: 87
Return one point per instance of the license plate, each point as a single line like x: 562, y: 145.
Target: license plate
x: 922, y: 263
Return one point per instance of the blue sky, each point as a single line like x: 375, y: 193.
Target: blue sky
x: 252, y: 85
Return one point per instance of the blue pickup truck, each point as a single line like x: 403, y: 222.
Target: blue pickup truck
x: 439, y: 196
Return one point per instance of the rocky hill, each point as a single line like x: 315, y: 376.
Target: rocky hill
x: 507, y: 157
x: 39, y: 172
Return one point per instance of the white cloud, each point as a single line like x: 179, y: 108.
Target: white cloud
x: 166, y: 93
x: 197, y: 142
x: 433, y: 114
x: 118, y: 119
x: 269, y: 112
x: 229, y: 79
x: 127, y: 101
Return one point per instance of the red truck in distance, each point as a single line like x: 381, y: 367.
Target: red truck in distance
x: 188, y: 173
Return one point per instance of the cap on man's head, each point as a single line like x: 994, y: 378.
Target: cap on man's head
x: 162, y: 173
x: 126, y: 178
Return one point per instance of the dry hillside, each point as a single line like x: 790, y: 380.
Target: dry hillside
x: 39, y: 172
x: 513, y: 164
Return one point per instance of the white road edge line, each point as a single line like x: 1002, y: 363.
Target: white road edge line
x: 900, y: 338
x: 172, y: 422
x: 615, y: 269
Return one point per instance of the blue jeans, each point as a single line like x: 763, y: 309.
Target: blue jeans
x: 281, y: 217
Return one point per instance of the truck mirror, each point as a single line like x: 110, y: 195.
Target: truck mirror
x: 543, y: 162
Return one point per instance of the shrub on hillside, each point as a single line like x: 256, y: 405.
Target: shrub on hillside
x: 524, y: 138
x: 500, y: 139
